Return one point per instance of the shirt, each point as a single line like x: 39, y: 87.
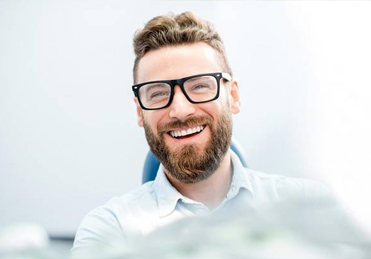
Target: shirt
x: 157, y: 203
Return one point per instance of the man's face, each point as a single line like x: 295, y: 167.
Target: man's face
x: 196, y: 156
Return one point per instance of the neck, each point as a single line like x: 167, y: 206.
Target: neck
x: 211, y: 191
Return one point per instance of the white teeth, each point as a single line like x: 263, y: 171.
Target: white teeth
x: 181, y: 133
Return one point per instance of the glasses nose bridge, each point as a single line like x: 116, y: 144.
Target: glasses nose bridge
x: 177, y: 82
x: 180, y: 104
x: 180, y: 83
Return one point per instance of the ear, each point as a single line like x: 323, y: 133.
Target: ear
x: 234, y: 96
x: 139, y: 113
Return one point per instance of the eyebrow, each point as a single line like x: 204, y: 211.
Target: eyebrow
x: 203, y: 78
x: 155, y: 85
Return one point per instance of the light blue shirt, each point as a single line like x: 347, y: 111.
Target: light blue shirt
x: 158, y: 203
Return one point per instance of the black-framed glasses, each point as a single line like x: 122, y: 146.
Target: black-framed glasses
x: 202, y: 88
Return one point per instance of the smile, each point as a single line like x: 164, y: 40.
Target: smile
x: 186, y: 132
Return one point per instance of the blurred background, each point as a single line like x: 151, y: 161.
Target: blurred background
x: 69, y: 140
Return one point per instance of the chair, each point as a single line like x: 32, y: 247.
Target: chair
x: 152, y: 164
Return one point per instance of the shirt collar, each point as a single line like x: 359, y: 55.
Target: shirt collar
x: 168, y: 196
x: 240, y: 177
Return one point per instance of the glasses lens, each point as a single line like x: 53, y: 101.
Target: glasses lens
x: 155, y: 95
x: 202, y: 88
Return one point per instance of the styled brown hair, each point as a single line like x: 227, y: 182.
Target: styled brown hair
x: 172, y: 30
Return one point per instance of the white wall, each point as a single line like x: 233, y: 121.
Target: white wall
x: 68, y: 134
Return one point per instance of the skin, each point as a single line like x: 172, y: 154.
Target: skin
x: 176, y: 62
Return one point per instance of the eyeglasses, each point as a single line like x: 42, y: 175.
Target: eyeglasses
x: 159, y: 94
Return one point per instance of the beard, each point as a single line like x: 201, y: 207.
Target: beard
x: 189, y: 164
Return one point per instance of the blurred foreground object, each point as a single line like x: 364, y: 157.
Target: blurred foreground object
x: 309, y: 228
x: 24, y: 240
x: 22, y: 236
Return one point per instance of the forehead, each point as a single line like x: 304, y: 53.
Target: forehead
x: 178, y: 61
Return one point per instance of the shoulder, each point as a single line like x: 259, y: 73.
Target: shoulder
x: 110, y: 223
x: 280, y: 186
x: 140, y: 197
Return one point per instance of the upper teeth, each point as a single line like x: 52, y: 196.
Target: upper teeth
x: 180, y: 133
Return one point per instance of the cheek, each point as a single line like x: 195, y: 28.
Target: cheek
x: 218, y: 106
x: 152, y: 119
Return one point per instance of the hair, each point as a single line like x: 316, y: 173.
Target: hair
x: 171, y: 30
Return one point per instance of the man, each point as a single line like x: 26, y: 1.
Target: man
x: 185, y: 95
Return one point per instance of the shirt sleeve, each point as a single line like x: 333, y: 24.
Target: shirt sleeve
x: 99, y: 233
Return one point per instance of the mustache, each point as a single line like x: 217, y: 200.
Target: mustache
x: 193, y: 121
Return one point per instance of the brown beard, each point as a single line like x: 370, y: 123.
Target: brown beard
x: 187, y: 164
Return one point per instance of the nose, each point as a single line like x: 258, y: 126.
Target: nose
x: 180, y: 107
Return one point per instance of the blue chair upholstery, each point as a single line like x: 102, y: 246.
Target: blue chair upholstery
x: 152, y: 164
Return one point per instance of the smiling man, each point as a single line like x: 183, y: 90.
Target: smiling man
x: 185, y: 96
x: 187, y: 120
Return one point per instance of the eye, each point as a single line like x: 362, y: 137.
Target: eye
x: 155, y: 91
x: 159, y: 94
x: 199, y: 87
